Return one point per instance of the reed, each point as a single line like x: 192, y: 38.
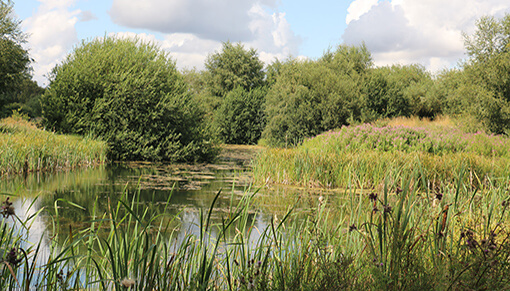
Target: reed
x: 395, y: 238
x: 25, y: 148
x: 372, y: 152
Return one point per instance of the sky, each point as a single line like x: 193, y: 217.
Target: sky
x: 426, y: 32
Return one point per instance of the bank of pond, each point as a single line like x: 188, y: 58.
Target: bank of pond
x: 381, y: 206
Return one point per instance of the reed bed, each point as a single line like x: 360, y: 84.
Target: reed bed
x: 25, y: 148
x: 373, y: 151
x: 395, y: 238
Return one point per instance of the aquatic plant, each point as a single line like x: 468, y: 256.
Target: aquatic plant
x: 372, y: 152
x: 25, y: 148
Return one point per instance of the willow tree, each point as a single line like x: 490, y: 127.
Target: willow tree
x: 129, y: 93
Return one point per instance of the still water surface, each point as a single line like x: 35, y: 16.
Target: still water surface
x: 182, y: 191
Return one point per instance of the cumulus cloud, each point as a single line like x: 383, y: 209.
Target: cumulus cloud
x: 416, y: 31
x: 358, y: 8
x: 217, y: 20
x: 52, y: 34
x: 271, y: 36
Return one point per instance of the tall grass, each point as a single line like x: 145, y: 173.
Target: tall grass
x: 395, y: 238
x: 25, y: 148
x: 373, y: 151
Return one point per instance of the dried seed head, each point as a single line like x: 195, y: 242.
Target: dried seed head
x: 372, y: 197
x: 127, y: 283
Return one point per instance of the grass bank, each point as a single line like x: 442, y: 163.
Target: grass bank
x: 397, y: 238
x: 372, y: 151
x: 25, y: 148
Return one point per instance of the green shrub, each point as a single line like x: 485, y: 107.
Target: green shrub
x: 130, y: 94
x: 309, y: 97
x: 241, y: 117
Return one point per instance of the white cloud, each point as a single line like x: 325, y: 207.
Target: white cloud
x: 271, y: 36
x: 52, y: 34
x: 219, y: 20
x: 358, y: 8
x: 416, y: 31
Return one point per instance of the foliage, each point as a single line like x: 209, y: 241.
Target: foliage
x: 234, y: 66
x: 14, y: 59
x: 25, y: 99
x: 240, y: 117
x: 397, y: 91
x: 483, y: 90
x: 130, y: 94
x: 309, y: 97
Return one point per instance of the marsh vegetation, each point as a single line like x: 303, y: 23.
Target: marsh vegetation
x: 400, y: 176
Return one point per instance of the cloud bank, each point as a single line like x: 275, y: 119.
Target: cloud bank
x: 189, y: 29
x: 416, y: 31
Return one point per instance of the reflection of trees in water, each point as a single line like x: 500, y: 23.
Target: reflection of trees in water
x: 172, y: 190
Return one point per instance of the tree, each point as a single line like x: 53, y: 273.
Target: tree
x: 241, y: 117
x: 234, y: 67
x: 485, y: 90
x: 311, y: 96
x: 14, y: 59
x: 396, y: 91
x: 130, y: 94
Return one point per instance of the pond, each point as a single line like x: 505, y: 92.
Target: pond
x: 180, y: 190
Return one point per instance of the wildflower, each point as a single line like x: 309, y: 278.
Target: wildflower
x: 439, y: 196
x: 127, y: 283
x: 372, y: 197
x: 398, y: 190
x: 353, y: 228
x: 387, y: 209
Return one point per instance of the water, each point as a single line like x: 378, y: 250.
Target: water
x: 181, y: 191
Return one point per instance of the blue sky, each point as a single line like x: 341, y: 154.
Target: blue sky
x: 396, y: 31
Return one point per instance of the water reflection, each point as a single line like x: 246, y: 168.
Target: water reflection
x: 180, y: 191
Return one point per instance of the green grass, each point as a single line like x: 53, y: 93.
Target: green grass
x: 372, y: 152
x: 396, y: 238
x: 25, y: 148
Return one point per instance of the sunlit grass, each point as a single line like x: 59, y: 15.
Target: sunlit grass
x: 436, y: 148
x: 25, y: 148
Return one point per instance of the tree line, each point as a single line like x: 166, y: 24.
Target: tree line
x: 130, y: 93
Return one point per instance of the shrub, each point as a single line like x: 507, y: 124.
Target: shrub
x: 130, y: 94
x: 241, y: 117
x: 309, y: 97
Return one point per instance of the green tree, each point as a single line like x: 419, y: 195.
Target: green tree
x: 396, y: 91
x: 14, y: 59
x: 24, y: 98
x: 241, y: 117
x: 234, y: 66
x: 130, y: 94
x: 484, y: 90
x: 311, y: 96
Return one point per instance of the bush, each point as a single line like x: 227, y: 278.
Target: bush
x: 241, y: 117
x: 309, y: 97
x: 130, y: 94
